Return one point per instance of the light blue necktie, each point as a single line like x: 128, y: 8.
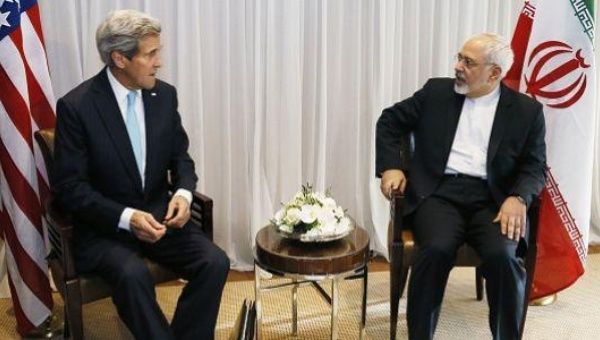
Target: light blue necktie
x: 133, y: 129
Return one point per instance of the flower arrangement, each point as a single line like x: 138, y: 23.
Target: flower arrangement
x: 314, y: 216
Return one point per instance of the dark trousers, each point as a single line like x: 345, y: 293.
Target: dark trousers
x: 462, y: 210
x: 187, y: 252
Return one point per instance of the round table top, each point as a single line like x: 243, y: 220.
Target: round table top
x: 277, y: 253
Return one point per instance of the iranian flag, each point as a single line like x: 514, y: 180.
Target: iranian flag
x: 554, y: 63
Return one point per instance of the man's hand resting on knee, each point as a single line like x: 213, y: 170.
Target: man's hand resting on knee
x: 513, y: 218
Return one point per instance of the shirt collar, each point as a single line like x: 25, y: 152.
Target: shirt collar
x: 487, y: 98
x: 119, y: 90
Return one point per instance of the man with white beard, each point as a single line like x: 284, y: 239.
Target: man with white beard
x: 478, y: 162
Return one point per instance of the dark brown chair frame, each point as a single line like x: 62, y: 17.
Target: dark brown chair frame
x: 76, y: 289
x: 402, y: 249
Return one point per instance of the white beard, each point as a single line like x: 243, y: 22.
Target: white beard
x: 461, y: 89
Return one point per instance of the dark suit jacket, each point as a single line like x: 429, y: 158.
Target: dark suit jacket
x: 516, y: 158
x: 95, y: 174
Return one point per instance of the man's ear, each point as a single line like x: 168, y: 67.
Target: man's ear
x: 496, y: 73
x: 118, y: 58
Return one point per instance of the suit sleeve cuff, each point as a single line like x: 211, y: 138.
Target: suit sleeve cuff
x: 125, y: 219
x: 185, y: 194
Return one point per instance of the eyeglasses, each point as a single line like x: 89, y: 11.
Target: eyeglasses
x: 468, y: 62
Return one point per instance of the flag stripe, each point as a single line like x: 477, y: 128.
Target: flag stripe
x: 34, y: 278
x: 12, y: 140
x: 29, y: 240
x: 38, y: 105
x: 23, y: 194
x: 15, y: 106
x: 40, y: 88
x: 12, y: 65
x: 33, y: 15
x: 24, y: 325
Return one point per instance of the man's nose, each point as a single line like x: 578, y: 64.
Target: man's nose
x: 459, y: 66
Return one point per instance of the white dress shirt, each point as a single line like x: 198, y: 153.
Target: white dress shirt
x: 121, y: 92
x: 469, y: 149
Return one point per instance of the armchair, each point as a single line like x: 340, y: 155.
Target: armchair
x: 75, y: 289
x: 402, y: 249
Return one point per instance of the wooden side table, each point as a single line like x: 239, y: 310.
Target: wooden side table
x: 309, y: 263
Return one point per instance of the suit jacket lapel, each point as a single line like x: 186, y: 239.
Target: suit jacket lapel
x: 149, y: 97
x: 501, y: 120
x: 108, y: 109
x: 452, y: 117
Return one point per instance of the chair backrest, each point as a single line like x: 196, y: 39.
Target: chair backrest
x: 45, y: 140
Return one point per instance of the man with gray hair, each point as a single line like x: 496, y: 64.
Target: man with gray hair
x: 119, y: 146
x: 478, y: 162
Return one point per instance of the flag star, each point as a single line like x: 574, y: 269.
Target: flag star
x: 3, y: 21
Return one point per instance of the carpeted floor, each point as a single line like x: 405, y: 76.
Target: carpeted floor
x: 575, y: 315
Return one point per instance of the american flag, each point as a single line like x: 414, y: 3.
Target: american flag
x: 26, y: 105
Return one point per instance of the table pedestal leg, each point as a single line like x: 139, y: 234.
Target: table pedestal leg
x: 334, y: 308
x: 295, y: 308
x: 363, y: 320
x: 257, y: 301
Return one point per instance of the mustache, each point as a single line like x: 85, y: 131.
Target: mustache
x: 459, y: 76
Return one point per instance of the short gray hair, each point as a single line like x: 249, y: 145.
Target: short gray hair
x: 497, y: 51
x: 121, y: 31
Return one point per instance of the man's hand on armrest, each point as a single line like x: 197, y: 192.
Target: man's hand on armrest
x: 393, y: 179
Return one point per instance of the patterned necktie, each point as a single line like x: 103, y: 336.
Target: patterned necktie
x: 133, y: 130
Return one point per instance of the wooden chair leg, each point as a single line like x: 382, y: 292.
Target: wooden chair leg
x: 66, y: 331
x: 74, y: 315
x: 395, y: 290
x: 403, y: 280
x: 479, y: 283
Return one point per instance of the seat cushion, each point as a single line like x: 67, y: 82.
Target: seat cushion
x: 94, y: 288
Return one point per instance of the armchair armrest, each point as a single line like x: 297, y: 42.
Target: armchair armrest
x: 396, y: 216
x: 202, y: 213
x: 60, y: 234
x: 533, y: 216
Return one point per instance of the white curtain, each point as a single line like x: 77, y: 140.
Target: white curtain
x: 275, y: 94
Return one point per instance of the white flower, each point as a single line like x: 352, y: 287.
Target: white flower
x: 278, y: 218
x: 329, y: 202
x: 328, y: 229
x: 344, y: 224
x: 292, y: 216
x: 319, y: 196
x: 338, y: 212
x: 286, y: 228
x: 308, y: 213
x: 326, y: 216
